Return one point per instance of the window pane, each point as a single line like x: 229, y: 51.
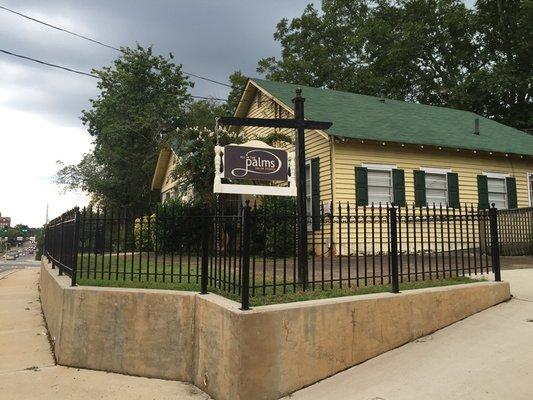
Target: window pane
x: 377, y: 199
x: 379, y: 190
x: 379, y: 187
x: 496, y: 196
x: 498, y: 204
x: 436, y: 196
x: 497, y: 192
x: 435, y: 181
x: 379, y: 178
x: 308, y: 189
x: 496, y: 185
x: 308, y: 180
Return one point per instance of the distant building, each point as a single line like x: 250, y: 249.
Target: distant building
x: 5, y: 222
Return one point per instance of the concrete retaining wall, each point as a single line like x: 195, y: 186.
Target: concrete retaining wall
x: 138, y: 332
x: 264, y: 353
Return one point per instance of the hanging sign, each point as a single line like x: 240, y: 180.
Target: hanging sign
x: 256, y: 163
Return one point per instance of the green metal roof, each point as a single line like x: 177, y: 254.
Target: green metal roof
x: 366, y: 117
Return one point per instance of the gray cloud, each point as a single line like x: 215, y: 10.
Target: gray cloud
x: 209, y: 37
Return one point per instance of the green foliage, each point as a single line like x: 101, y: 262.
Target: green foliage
x: 179, y: 225
x: 502, y: 86
x: 280, y: 296
x: 39, y: 237
x: 173, y: 226
x: 12, y: 234
x: 145, y: 233
x: 238, y: 82
x: 436, y: 52
x: 194, y: 147
x: 274, y: 227
x: 142, y: 98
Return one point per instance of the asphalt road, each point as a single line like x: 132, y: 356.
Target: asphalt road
x: 22, y: 262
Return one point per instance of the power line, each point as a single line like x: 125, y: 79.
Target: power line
x: 84, y: 73
x: 109, y: 46
x: 59, y: 29
x: 49, y: 64
x: 209, y: 98
x: 208, y: 79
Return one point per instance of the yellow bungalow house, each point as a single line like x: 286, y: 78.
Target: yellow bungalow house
x: 382, y: 150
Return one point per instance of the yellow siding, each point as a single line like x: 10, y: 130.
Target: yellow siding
x: 467, y: 165
x: 316, y: 145
x: 168, y: 181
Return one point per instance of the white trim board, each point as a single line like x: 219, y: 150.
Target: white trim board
x: 383, y: 167
x: 442, y: 171
x: 528, y: 176
x: 497, y: 175
x: 255, y: 189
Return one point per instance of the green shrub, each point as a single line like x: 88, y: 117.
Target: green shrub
x: 273, y: 232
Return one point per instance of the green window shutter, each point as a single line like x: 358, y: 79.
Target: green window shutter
x: 420, y: 188
x: 512, y: 201
x: 453, y: 190
x: 398, y: 187
x: 315, y: 192
x: 482, y: 192
x: 361, y: 186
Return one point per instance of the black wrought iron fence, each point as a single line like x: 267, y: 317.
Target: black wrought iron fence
x: 61, y: 243
x: 252, y: 251
x: 515, y: 231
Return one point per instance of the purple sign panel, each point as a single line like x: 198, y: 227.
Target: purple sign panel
x: 255, y: 163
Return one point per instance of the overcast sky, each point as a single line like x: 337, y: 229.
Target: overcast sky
x: 40, y: 106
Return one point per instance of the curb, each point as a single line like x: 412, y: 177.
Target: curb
x: 4, y: 275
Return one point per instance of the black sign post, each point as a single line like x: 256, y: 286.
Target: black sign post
x: 300, y: 124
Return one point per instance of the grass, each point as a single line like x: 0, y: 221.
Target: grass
x: 300, y: 295
x: 279, y: 297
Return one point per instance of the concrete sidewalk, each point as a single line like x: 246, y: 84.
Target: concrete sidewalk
x: 27, y: 369
x: 487, y: 356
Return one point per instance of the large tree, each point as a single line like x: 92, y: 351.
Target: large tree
x: 142, y: 98
x: 238, y: 82
x: 502, y: 88
x: 432, y: 51
x: 194, y: 147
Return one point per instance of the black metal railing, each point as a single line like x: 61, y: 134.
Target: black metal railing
x: 252, y: 251
x: 515, y: 231
x: 61, y: 243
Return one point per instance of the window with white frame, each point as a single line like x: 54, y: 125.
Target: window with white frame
x: 379, y: 185
x: 436, y: 188
x: 308, y: 193
x: 497, y: 189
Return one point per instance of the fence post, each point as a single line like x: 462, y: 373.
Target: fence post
x: 205, y: 249
x: 46, y: 242
x: 394, y: 249
x: 75, y: 244
x: 246, y: 232
x: 494, y: 243
x: 51, y: 245
x: 60, y: 253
